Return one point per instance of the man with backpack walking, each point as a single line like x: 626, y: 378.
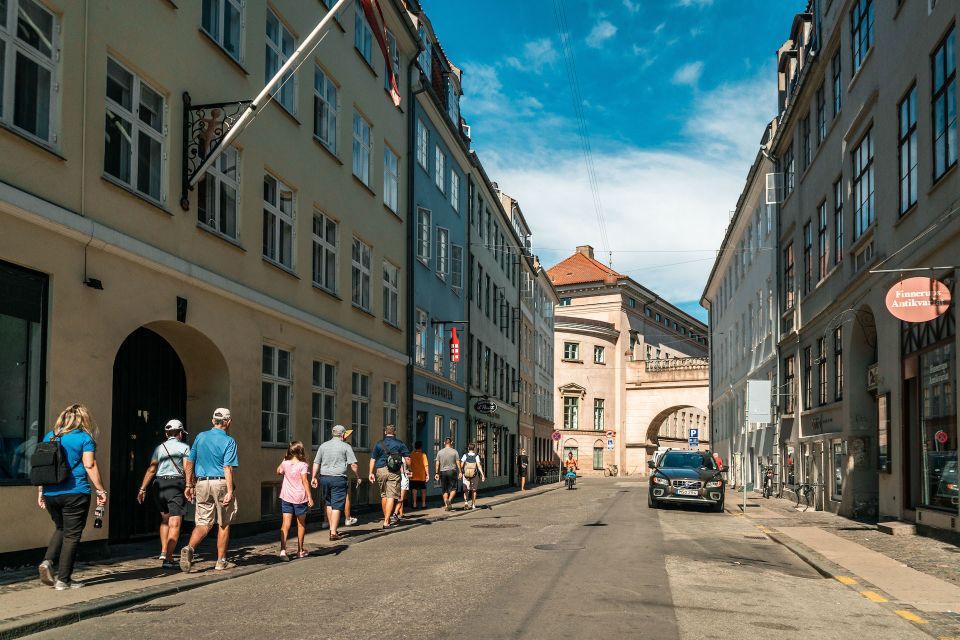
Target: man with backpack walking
x: 472, y: 471
x: 386, y: 463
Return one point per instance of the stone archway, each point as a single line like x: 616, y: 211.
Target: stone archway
x: 860, y: 486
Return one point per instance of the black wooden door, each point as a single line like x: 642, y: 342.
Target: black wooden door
x: 149, y: 388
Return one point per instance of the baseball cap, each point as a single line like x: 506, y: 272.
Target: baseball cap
x: 338, y: 430
x: 221, y: 414
x: 175, y: 425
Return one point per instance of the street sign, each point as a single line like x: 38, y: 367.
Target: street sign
x: 758, y: 401
x: 610, y: 434
x: 556, y: 436
x: 610, y: 444
x: 694, y: 439
x: 485, y: 406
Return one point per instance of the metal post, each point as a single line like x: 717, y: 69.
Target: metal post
x: 743, y: 449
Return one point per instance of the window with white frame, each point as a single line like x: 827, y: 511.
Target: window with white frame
x: 362, y: 146
x: 571, y: 412
x: 360, y: 274
x: 598, y: 414
x: 278, y: 217
x: 360, y: 408
x: 438, y: 348
x: 424, y: 233
x: 391, y: 294
x: 326, y: 98
x: 440, y: 177
x: 390, y: 403
x: 456, y: 268
x: 276, y: 385
x: 135, y: 140
x: 391, y: 179
x: 443, y: 253
x: 280, y: 44
x: 222, y: 20
x: 363, y: 35
x: 423, y: 145
x: 217, y: 194
x: 455, y: 191
x: 571, y: 350
x: 598, y: 354
x: 325, y: 241
x: 420, y: 339
x: 323, y: 402
x: 29, y: 56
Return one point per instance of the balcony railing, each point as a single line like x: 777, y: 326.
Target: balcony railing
x: 678, y: 364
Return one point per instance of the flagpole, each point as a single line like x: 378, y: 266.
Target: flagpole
x: 244, y: 119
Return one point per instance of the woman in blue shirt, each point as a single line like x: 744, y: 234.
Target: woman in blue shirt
x: 69, y: 502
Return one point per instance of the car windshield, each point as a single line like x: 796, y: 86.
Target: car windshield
x: 681, y: 460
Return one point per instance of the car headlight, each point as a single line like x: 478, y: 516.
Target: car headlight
x: 714, y: 483
x: 660, y: 480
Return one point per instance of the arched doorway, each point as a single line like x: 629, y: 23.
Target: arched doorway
x: 149, y: 388
x: 850, y: 468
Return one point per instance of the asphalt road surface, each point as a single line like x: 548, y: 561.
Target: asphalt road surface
x: 619, y: 570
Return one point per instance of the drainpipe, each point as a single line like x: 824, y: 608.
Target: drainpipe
x: 467, y: 414
x: 411, y: 235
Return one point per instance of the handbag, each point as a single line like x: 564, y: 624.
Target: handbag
x: 48, y: 463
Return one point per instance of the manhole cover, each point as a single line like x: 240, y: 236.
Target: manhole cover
x: 595, y: 524
x: 153, y: 608
x: 494, y: 526
x: 558, y: 547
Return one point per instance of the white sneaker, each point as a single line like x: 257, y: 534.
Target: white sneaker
x: 47, y: 576
x: 163, y: 556
x: 473, y: 505
x: 350, y: 522
x: 60, y: 585
x: 186, y: 559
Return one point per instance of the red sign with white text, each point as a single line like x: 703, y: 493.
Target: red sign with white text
x: 918, y: 299
x: 454, y: 346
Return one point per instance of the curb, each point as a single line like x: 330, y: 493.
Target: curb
x: 62, y: 616
x: 824, y: 567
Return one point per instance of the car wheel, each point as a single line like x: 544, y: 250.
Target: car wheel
x: 717, y: 507
x: 652, y: 502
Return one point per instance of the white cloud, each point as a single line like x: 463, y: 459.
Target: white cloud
x: 688, y: 74
x: 537, y: 54
x: 694, y: 3
x: 659, y: 28
x: 601, y: 32
x: 633, y: 6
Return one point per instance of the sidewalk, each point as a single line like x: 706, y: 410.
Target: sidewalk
x: 27, y: 606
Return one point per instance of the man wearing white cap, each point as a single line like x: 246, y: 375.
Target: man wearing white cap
x: 210, y: 468
x: 165, y: 482
x: 333, y: 458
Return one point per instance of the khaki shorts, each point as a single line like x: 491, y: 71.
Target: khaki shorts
x: 209, y: 499
x: 389, y: 483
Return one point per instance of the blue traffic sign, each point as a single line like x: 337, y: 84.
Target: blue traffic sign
x: 694, y: 438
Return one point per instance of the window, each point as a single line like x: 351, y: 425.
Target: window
x: 944, y: 66
x: 807, y: 257
x: 423, y: 145
x: 907, y: 117
x: 821, y: 115
x: 135, y: 132
x: 23, y: 341
x: 822, y: 370
x: 456, y: 269
x: 390, y: 403
x: 360, y: 275
x: 360, y: 408
x: 362, y: 147
x: 424, y: 58
x: 217, y: 194
x: 455, y: 191
x: 440, y: 173
x: 424, y: 231
x: 571, y: 350
x: 822, y: 258
x: 805, y: 148
x: 278, y: 217
x: 324, y: 401
x: 325, y: 242
x: 391, y: 179
x: 438, y: 348
x: 362, y: 35
x: 862, y: 157
x: 789, y: 380
x: 788, y: 166
x: 391, y: 294
x: 276, y: 385
x: 837, y: 84
x: 632, y: 303
x: 222, y: 21
x: 788, y: 278
x: 598, y: 354
x: 326, y: 100
x: 838, y: 459
x: 395, y: 63
x: 938, y: 426
x: 29, y: 53
x: 420, y: 339
x: 838, y: 363
x: 838, y: 221
x: 598, y: 456
x: 280, y: 46
x: 443, y: 253
x: 571, y: 411
x: 598, y: 414
x: 861, y: 31
x: 566, y: 302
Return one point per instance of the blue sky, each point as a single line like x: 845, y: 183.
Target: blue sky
x: 676, y: 94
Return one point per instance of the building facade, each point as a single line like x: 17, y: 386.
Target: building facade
x: 545, y: 301
x: 631, y: 368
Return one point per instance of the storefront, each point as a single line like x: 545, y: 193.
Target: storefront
x: 438, y: 414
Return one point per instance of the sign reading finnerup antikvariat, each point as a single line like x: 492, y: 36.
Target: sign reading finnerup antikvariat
x: 918, y: 299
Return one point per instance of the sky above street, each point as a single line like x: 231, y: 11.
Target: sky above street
x: 675, y: 97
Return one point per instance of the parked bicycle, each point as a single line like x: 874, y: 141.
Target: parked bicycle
x: 805, y: 492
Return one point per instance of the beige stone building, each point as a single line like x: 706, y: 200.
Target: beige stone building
x: 630, y: 369
x: 278, y: 291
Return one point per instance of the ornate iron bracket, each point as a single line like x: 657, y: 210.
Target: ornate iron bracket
x: 204, y: 126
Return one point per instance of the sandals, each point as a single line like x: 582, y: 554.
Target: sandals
x: 303, y: 554
x: 334, y: 537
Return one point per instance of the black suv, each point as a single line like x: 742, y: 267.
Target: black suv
x: 686, y: 477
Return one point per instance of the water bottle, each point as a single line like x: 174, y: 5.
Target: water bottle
x: 98, y: 517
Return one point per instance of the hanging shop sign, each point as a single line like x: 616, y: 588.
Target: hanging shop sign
x: 918, y: 299
x: 454, y: 346
x: 485, y: 406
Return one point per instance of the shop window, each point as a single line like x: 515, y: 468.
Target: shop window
x: 838, y: 458
x: 938, y: 427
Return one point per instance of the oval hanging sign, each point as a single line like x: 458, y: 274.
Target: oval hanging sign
x: 918, y: 299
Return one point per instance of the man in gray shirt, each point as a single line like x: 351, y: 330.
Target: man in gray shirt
x: 330, y: 465
x: 448, y: 472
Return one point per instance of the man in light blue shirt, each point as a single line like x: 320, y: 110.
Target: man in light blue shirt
x: 210, y: 468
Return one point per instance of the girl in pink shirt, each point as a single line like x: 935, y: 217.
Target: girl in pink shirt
x: 295, y: 496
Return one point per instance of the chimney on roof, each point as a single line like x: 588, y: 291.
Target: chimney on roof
x: 586, y: 250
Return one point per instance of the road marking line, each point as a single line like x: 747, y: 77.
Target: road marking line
x: 873, y: 595
x: 912, y: 617
x: 847, y: 580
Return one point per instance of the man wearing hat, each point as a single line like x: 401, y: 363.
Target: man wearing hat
x: 165, y: 482
x: 330, y: 465
x: 209, y: 469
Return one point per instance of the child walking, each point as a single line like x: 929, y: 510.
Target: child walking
x: 295, y: 496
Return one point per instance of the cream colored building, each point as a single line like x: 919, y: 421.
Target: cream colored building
x: 631, y: 369
x: 278, y: 292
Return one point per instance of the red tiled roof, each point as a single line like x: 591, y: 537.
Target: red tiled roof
x: 580, y: 268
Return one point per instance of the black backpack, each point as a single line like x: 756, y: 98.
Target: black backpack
x: 394, y: 459
x: 48, y: 464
